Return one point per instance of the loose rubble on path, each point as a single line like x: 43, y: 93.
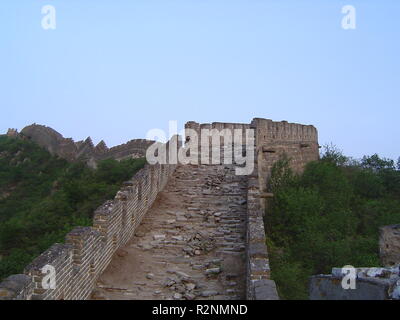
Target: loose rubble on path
x: 190, y: 245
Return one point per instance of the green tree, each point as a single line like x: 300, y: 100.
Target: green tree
x: 328, y: 216
x: 43, y: 197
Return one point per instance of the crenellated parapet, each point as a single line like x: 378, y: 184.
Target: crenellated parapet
x: 272, y: 140
x: 12, y: 132
x: 268, y: 131
x: 133, y: 148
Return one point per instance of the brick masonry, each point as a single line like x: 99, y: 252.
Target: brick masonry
x: 88, y: 250
x: 369, y: 284
x: 389, y: 245
x: 272, y: 141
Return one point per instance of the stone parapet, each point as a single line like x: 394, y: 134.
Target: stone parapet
x: 88, y: 250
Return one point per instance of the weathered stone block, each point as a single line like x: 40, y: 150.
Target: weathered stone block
x: 258, y: 250
x: 12, y: 286
x: 326, y: 287
x: 265, y: 290
x: 389, y: 245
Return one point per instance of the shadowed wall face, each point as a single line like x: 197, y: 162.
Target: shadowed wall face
x: 275, y: 139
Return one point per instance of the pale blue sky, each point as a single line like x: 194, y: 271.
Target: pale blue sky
x: 116, y: 69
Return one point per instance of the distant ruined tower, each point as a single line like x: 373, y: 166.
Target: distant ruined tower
x: 12, y: 132
x: 272, y: 141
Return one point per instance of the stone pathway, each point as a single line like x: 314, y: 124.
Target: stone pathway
x: 190, y: 245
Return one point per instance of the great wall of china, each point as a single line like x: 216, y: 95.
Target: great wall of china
x: 172, y: 231
x: 84, y: 150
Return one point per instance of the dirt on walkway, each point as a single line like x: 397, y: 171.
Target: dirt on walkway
x: 190, y: 245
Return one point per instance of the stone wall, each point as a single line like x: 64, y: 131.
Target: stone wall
x: 66, y: 148
x: 88, y: 250
x: 369, y: 284
x: 11, y: 132
x: 272, y: 140
x: 135, y: 148
x: 275, y: 139
x: 389, y: 245
x: 218, y: 126
x: 259, y: 286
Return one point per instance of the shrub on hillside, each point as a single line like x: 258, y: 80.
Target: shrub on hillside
x: 43, y: 197
x: 328, y: 216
